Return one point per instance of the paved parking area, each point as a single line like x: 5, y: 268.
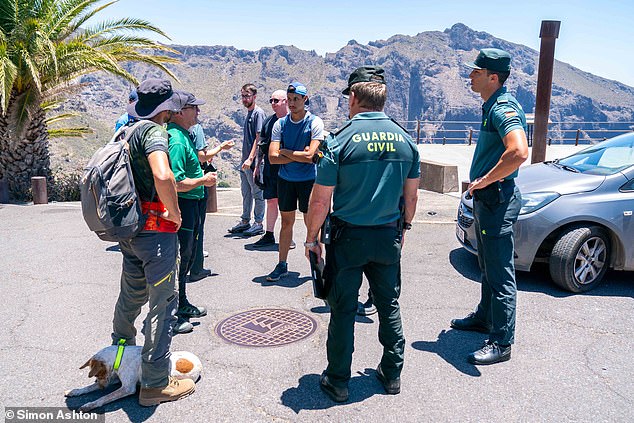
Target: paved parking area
x: 572, y: 360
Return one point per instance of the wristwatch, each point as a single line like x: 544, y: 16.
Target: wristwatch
x: 407, y: 226
x: 311, y: 244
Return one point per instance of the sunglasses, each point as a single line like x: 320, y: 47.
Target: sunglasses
x: 247, y: 95
x: 275, y: 100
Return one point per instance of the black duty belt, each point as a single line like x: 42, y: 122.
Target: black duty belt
x: 343, y: 223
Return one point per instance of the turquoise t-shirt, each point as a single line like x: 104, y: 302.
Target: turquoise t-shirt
x: 184, y: 160
x: 367, y: 162
x: 501, y: 114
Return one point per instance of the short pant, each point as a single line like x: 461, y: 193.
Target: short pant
x: 290, y: 193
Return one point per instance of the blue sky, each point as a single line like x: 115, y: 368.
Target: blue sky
x: 595, y: 36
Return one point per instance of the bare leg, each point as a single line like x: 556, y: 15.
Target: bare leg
x: 286, y: 233
x: 272, y: 211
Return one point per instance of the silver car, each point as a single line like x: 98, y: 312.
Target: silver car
x: 576, y: 215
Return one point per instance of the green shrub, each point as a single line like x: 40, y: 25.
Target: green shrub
x: 64, y: 185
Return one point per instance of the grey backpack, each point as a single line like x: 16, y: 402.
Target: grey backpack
x: 109, y: 200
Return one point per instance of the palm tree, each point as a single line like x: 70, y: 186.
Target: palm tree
x: 45, y: 45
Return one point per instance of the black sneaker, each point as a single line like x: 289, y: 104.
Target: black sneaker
x: 182, y: 325
x: 491, y: 353
x: 391, y: 386
x: 366, y: 309
x: 195, y: 277
x: 266, y: 240
x: 189, y: 310
x: 472, y: 323
x: 335, y: 394
x: 280, y: 270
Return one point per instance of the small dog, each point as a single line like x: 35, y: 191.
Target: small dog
x: 183, y: 365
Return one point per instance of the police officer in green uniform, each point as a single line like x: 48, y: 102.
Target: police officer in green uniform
x: 500, y: 151
x: 366, y: 168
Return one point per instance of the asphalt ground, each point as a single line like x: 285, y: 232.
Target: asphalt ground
x: 572, y: 360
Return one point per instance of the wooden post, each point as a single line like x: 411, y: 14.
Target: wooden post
x: 549, y: 33
x: 470, y: 135
x: 4, y: 191
x: 417, y: 131
x: 577, y: 137
x: 38, y: 187
x: 212, y: 200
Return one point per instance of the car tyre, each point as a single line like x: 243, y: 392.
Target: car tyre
x: 580, y: 258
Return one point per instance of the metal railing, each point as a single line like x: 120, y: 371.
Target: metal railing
x: 466, y: 132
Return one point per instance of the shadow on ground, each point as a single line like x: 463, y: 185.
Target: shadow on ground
x: 292, y: 280
x: 308, y: 396
x: 615, y: 283
x: 129, y: 404
x: 453, y: 346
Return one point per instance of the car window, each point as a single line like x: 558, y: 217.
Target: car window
x: 605, y: 158
x: 629, y: 186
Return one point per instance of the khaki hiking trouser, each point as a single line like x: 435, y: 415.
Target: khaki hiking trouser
x: 149, y: 273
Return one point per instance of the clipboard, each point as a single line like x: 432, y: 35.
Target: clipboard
x: 320, y: 286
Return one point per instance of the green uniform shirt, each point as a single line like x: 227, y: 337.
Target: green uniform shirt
x: 367, y: 162
x: 501, y: 114
x: 147, y: 139
x: 184, y: 160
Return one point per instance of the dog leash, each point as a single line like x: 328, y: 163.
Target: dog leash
x: 120, y: 348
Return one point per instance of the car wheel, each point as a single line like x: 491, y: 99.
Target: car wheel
x: 580, y: 258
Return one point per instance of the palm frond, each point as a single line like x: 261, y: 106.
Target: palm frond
x: 74, y: 132
x: 64, y: 14
x: 8, y: 73
x: 60, y: 117
x: 106, y: 28
x: 74, y: 25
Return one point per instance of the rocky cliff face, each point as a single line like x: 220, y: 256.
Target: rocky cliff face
x: 425, y: 75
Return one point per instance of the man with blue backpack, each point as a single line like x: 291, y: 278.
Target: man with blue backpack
x: 294, y: 141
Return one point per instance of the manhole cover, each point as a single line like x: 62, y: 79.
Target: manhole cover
x: 266, y: 327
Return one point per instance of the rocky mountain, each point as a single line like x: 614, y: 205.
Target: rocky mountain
x: 425, y: 75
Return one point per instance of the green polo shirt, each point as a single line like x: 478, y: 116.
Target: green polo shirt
x: 367, y: 162
x: 184, y: 160
x: 501, y: 114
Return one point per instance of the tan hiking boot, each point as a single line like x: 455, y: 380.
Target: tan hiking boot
x: 175, y: 390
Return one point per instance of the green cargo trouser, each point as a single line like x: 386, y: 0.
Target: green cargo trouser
x: 495, y: 211
x: 149, y: 273
x: 375, y: 253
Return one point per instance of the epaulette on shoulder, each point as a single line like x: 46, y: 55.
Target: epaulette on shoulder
x: 502, y: 100
x: 338, y: 130
x: 399, y: 125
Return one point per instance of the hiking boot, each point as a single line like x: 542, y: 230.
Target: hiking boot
x: 366, y: 309
x: 182, y: 325
x: 266, y: 240
x: 239, y: 227
x: 280, y: 270
x: 189, y: 310
x: 175, y: 390
x: 335, y: 394
x: 255, y: 229
x: 391, y: 386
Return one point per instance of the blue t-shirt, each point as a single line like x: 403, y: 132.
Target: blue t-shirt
x: 296, y: 136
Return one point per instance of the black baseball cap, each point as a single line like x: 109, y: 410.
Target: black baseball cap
x: 365, y: 74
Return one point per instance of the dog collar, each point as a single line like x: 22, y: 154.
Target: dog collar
x: 117, y: 360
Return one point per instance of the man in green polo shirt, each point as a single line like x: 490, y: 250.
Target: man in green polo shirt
x: 190, y: 183
x: 367, y: 167
x: 501, y: 149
